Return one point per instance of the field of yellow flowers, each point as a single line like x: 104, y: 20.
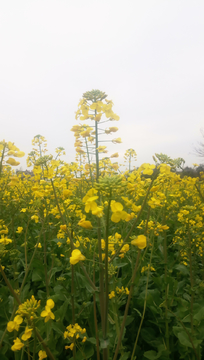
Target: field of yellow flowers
x: 96, y: 263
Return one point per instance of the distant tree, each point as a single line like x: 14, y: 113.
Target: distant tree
x: 200, y: 149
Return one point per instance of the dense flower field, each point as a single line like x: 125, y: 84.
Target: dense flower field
x: 95, y: 263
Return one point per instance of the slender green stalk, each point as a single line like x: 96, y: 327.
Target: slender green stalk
x: 96, y: 148
x: 34, y: 252
x: 191, y: 277
x: 165, y: 255
x: 146, y: 289
x: 25, y: 245
x: 73, y: 308
x: 95, y: 315
x: 166, y: 292
x: 15, y: 265
x: 106, y: 274
x: 127, y: 306
x: 90, y: 171
x: 5, y: 331
x: 9, y: 285
x: 45, y: 265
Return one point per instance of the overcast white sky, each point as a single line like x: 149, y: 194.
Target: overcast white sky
x: 147, y: 55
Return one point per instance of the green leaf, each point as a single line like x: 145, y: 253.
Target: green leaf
x: 36, y: 275
x: 184, y: 339
x: 119, y: 265
x: 182, y: 268
x: 86, y: 353
x: 92, y: 340
x: 139, y: 313
x: 60, y: 313
x: 125, y: 356
x: 200, y: 315
x: 24, y: 294
x: 83, y: 281
x: 151, y: 354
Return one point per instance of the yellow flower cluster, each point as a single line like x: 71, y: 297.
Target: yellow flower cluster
x: 74, y: 333
x: 122, y: 291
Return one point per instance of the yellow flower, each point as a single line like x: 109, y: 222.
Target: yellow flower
x: 42, y: 355
x: 102, y: 149
x: 5, y: 240
x: 111, y: 295
x: 147, y: 169
x: 91, y: 204
x: 63, y: 227
x: 27, y: 334
x: 114, y: 155
x: 34, y: 217
x: 140, y: 241
x: 85, y: 224
x: 19, y: 230
x: 118, y: 213
x: 19, y: 154
x: 50, y: 303
x: 98, y: 211
x: 47, y: 313
x: 17, y: 345
x: 84, y: 339
x: 117, y: 141
x: 71, y: 347
x: 164, y: 168
x: 145, y: 268
x: 12, y: 162
x: 127, y: 291
x: 23, y: 210
x: 98, y: 117
x: 14, y: 325
x: 76, y: 256
x: 113, y: 129
x: 125, y: 248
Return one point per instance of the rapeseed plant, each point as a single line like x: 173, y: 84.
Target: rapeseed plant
x: 100, y: 248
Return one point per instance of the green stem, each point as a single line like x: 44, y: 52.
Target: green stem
x: 145, y: 304
x: 101, y: 284
x: 87, y: 150
x: 95, y: 315
x: 127, y: 306
x: 106, y: 274
x: 28, y: 268
x: 5, y: 331
x: 45, y: 266
x: 191, y: 277
x: 15, y: 265
x: 96, y: 148
x: 129, y: 162
x: 25, y: 244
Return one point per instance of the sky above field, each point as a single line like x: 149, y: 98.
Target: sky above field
x: 147, y: 55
